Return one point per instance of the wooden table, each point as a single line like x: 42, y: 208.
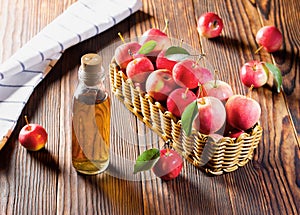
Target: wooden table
x: 45, y: 182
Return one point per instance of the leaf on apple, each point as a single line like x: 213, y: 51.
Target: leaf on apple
x: 147, y: 47
x: 276, y: 74
x: 188, y: 117
x: 146, y: 160
x: 176, y: 53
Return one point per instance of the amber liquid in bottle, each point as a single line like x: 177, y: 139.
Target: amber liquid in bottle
x: 91, y: 133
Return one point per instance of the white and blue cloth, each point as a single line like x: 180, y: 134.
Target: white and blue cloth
x: 22, y: 72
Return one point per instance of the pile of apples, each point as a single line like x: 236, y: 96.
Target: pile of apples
x: 190, y: 90
x: 175, y: 78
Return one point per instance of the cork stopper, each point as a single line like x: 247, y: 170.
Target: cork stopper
x: 91, y: 70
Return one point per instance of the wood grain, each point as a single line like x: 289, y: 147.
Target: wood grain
x: 46, y: 183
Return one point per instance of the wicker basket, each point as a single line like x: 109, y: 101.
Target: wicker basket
x: 216, y: 158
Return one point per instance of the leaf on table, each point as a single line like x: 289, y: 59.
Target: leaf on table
x: 188, y: 117
x: 146, y: 160
x: 276, y: 74
x: 147, y: 47
x: 176, y: 53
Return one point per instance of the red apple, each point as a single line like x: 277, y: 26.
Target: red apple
x: 33, y: 136
x: 232, y: 132
x: 162, y: 40
x: 164, y: 63
x: 178, y: 100
x: 124, y: 52
x: 242, y: 112
x: 139, y: 69
x: 160, y: 84
x: 169, y: 165
x: 270, y: 38
x: 254, y: 73
x: 209, y: 25
x: 212, y: 115
x: 218, y: 89
x: 189, y: 74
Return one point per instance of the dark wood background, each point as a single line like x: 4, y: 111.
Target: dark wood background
x: 45, y: 182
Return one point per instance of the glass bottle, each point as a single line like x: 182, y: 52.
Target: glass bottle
x: 91, y: 118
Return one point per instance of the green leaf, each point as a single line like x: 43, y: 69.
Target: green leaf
x: 146, y: 160
x: 276, y: 74
x: 188, y: 116
x: 147, y: 47
x: 176, y: 53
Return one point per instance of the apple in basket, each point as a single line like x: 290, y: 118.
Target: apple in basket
x: 189, y: 74
x: 160, y: 84
x: 139, y: 69
x: 159, y: 36
x: 162, y: 62
x: 218, y: 89
x: 179, y: 99
x: 242, y: 112
x: 126, y: 52
x: 211, y: 115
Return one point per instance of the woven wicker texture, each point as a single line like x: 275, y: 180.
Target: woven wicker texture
x: 214, y: 157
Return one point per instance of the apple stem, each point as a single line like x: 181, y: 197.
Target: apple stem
x: 181, y: 42
x: 200, y: 56
x: 131, y: 54
x: 167, y: 146
x: 257, y: 50
x: 249, y: 94
x: 27, y: 122
x: 215, y: 77
x: 185, y: 93
x: 166, y: 26
x: 121, y: 37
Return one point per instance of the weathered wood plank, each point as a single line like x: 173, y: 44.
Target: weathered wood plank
x: 46, y: 183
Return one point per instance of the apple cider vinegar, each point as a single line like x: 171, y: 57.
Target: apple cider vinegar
x: 90, y: 120
x: 90, y: 136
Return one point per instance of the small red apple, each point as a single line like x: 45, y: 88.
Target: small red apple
x: 160, y: 37
x: 242, y: 112
x: 209, y: 25
x: 33, y: 136
x: 218, y: 89
x: 124, y: 52
x: 160, y: 84
x: 254, y: 73
x: 232, y: 132
x: 270, y: 38
x: 211, y: 116
x: 189, y: 74
x: 169, y: 165
x: 164, y: 63
x: 179, y: 99
x: 139, y: 69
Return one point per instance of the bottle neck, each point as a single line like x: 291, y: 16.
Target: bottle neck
x: 91, y: 79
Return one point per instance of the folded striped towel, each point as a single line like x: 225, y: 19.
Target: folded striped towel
x: 22, y: 72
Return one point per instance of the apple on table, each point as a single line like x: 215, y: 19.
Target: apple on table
x: 209, y: 25
x: 169, y: 165
x: 33, y: 136
x: 269, y: 38
x: 254, y: 73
